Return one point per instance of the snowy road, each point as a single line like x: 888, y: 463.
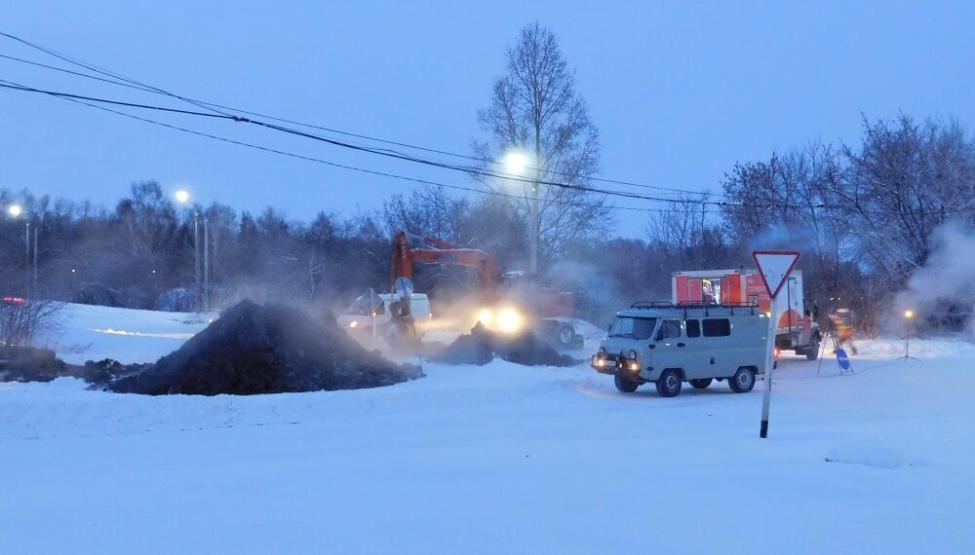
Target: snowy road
x: 503, y: 459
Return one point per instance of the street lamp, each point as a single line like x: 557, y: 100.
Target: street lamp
x: 183, y: 197
x: 516, y: 163
x: 16, y: 211
x: 909, y: 316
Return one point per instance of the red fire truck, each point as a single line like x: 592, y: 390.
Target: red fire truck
x: 796, y: 329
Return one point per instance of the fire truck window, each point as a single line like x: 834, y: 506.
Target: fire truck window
x: 708, y: 295
x: 717, y: 327
x: 693, y: 328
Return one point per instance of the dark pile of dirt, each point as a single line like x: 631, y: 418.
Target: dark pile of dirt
x: 474, y: 348
x: 269, y: 348
x: 30, y: 364
x: 481, y: 346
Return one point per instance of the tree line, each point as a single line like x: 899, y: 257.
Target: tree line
x: 862, y: 215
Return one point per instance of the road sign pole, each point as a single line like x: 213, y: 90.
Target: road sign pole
x: 774, y: 267
x: 769, y: 367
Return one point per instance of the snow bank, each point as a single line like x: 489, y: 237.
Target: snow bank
x: 503, y: 459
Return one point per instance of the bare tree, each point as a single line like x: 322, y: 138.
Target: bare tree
x: 905, y: 181
x: 22, y: 319
x: 536, y: 111
x: 426, y: 212
x: 681, y: 228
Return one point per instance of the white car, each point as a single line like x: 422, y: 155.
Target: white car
x: 358, y: 316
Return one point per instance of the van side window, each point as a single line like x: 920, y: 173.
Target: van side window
x: 669, y: 329
x: 717, y: 327
x: 693, y: 328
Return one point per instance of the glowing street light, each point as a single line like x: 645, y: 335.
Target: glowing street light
x: 16, y: 211
x: 515, y: 162
x: 909, y: 316
x: 183, y: 197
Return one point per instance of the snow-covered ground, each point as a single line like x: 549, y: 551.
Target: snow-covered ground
x: 497, y: 459
x: 85, y: 332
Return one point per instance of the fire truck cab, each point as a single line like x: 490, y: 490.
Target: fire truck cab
x: 796, y: 328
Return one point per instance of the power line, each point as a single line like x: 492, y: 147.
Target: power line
x: 132, y: 83
x: 81, y: 99
x: 10, y: 85
x: 395, y: 155
x: 322, y: 161
x: 102, y: 71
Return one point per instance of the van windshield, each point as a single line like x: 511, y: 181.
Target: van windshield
x: 360, y: 306
x: 633, y: 328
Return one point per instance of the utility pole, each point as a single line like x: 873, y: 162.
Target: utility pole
x: 27, y: 254
x: 33, y: 283
x: 196, y: 256
x: 533, y: 230
x: 206, y: 264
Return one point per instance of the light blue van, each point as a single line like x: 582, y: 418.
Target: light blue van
x: 669, y: 344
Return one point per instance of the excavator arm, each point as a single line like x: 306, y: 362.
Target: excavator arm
x: 488, y: 272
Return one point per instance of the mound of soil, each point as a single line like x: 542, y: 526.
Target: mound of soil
x: 30, y: 364
x: 481, y: 346
x: 474, y: 348
x: 269, y: 348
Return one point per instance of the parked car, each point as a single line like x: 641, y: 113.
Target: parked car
x: 668, y: 344
x: 359, y: 316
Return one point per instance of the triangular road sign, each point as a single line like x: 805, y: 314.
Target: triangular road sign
x: 775, y: 267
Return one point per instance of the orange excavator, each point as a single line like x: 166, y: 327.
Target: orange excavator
x: 509, y: 301
x: 442, y: 252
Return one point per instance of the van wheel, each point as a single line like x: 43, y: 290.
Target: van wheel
x: 625, y: 385
x: 701, y: 384
x: 669, y: 383
x: 743, y: 381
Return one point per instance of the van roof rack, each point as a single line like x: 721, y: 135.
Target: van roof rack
x: 695, y: 305
x: 691, y: 304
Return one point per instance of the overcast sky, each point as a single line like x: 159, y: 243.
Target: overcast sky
x: 680, y: 91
